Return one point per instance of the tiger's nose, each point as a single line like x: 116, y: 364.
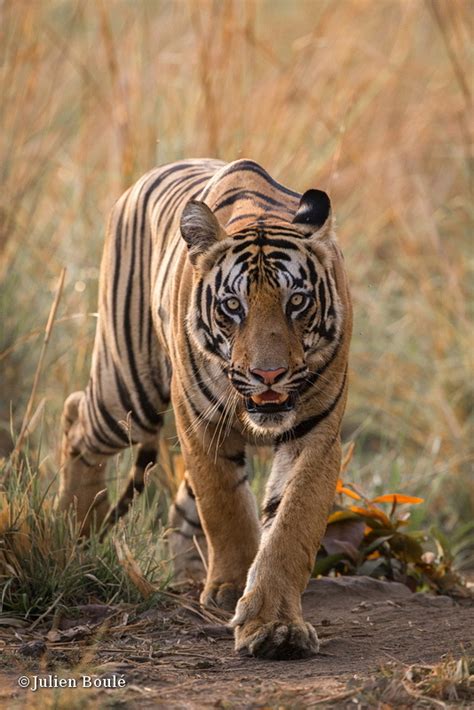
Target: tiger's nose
x: 269, y: 377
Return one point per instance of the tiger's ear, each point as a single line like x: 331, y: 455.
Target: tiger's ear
x: 199, y: 229
x: 314, y: 213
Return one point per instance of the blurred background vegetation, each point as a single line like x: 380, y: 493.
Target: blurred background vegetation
x: 365, y: 99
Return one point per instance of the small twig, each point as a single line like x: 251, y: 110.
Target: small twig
x: 335, y: 698
x: 39, y: 367
x: 347, y: 457
x: 201, y: 553
x: 196, y: 608
x: 188, y: 654
x: 45, y: 614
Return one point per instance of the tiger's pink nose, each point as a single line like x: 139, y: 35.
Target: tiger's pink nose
x: 269, y: 377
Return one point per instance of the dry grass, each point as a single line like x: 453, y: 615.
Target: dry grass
x: 447, y: 684
x: 46, y: 566
x: 366, y: 99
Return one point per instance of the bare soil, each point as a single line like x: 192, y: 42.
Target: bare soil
x: 172, y: 658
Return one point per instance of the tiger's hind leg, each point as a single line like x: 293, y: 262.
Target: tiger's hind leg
x: 186, y: 538
x: 145, y: 458
x: 82, y: 473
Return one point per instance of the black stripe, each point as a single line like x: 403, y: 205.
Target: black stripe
x: 187, y: 193
x: 243, y: 480
x: 197, y: 378
x: 194, y: 409
x: 88, y: 441
x: 263, y: 241
x: 189, y: 490
x: 331, y: 309
x: 249, y: 215
x: 267, y: 228
x: 313, y: 275
x: 245, y: 194
x: 117, y: 263
x: 183, y: 190
x: 314, y: 376
x: 182, y: 512
x: 126, y: 402
x: 175, y: 167
x: 157, y: 385
x: 322, y: 300
x: 143, y: 222
x: 208, y: 303
x: 125, y: 501
x: 113, y: 426
x: 145, y: 457
x: 197, y: 305
x: 116, y: 274
x: 148, y: 410
x: 138, y: 484
x: 270, y: 508
x: 307, y: 425
x: 249, y: 165
x: 281, y: 255
x: 94, y: 408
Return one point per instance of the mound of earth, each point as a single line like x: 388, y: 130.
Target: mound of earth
x: 175, y: 659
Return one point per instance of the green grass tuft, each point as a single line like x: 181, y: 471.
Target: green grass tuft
x: 44, y: 563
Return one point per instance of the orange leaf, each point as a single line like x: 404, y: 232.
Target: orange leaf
x: 341, y: 488
x: 348, y: 492
x: 372, y: 512
x: 341, y: 515
x: 397, y: 498
x: 360, y: 511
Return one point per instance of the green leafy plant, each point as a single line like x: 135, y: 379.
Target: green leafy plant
x: 364, y: 539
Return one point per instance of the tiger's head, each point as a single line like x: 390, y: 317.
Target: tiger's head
x: 265, y: 306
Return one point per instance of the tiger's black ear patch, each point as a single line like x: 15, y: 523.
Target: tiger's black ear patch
x: 314, y: 209
x: 199, y: 228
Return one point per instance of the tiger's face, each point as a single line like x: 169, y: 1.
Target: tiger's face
x: 265, y: 307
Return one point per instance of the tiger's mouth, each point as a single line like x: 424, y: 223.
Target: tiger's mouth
x: 269, y: 402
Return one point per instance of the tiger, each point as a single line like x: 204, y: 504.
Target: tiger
x: 223, y: 294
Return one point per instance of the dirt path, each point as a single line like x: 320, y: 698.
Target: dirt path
x: 173, y: 659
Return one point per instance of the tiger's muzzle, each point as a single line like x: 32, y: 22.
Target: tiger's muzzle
x: 270, y: 395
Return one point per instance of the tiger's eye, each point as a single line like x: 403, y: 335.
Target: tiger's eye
x: 297, y: 299
x: 233, y: 304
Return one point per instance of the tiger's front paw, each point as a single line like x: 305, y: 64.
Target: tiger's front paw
x: 222, y: 595
x: 278, y: 639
